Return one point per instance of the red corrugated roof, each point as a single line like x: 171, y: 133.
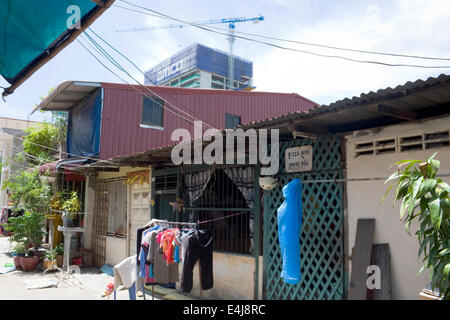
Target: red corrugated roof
x: 121, y: 134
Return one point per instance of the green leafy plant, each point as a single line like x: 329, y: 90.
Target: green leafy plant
x: 425, y: 198
x: 27, y: 229
x: 41, y: 142
x: 27, y: 190
x: 72, y: 204
x: 59, y: 250
x: 50, y: 255
x: 19, y: 249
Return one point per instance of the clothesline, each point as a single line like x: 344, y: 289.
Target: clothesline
x: 231, y: 215
x: 195, y: 223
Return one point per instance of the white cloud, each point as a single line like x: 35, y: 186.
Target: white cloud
x: 326, y: 80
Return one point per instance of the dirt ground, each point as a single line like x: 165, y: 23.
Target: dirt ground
x: 91, y: 285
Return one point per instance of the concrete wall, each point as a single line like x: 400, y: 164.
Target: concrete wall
x: 233, y: 278
x: 364, y: 202
x: 16, y: 123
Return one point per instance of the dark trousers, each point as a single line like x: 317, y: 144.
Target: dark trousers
x: 198, y: 247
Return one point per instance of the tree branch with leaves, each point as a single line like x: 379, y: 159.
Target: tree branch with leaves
x: 425, y: 199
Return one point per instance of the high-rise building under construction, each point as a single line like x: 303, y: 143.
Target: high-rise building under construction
x: 199, y: 66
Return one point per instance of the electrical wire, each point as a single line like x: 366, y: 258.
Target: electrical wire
x: 146, y: 77
x: 114, y: 62
x: 143, y: 93
x: 288, y: 48
x: 294, y: 41
x: 56, y: 150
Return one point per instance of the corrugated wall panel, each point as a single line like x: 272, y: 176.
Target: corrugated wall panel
x: 122, y: 135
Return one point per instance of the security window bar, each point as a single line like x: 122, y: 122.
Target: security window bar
x: 166, y: 183
x: 152, y: 111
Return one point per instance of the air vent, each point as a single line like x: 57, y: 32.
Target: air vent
x: 438, y: 139
x: 411, y: 143
x: 364, y: 148
x: 385, y: 146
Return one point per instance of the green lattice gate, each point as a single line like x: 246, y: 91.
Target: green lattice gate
x: 321, y: 237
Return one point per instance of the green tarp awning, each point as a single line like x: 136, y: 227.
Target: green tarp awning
x: 30, y: 30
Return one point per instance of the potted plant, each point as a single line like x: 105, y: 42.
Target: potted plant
x: 18, y: 251
x: 27, y: 230
x: 72, y: 205
x: 50, y: 259
x: 59, y: 252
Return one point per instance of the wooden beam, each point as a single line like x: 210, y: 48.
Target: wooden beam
x: 361, y: 259
x: 397, y: 112
x: 101, y: 3
x: 381, y: 258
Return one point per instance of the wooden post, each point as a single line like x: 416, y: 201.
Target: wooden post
x: 361, y: 258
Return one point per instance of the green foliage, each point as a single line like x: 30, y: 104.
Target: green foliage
x: 59, y: 250
x: 19, y: 249
x: 72, y: 204
x: 50, y: 255
x: 28, y: 191
x: 27, y: 229
x: 425, y: 198
x: 39, y: 142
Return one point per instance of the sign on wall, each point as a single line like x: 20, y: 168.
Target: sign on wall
x: 299, y: 159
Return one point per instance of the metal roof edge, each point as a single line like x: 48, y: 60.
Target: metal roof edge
x: 356, y: 101
x: 60, y: 88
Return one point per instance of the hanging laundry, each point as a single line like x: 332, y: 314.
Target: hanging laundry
x: 289, y: 216
x: 163, y: 272
x: 198, y: 246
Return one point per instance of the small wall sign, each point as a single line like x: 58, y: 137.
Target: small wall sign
x: 299, y: 159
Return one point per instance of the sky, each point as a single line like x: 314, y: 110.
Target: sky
x: 414, y: 27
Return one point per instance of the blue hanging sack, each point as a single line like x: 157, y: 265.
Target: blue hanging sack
x: 289, y: 216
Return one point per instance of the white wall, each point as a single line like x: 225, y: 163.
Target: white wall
x: 364, y: 202
x: 233, y: 278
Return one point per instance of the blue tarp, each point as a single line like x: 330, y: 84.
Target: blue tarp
x: 201, y: 57
x: 289, y: 216
x: 83, y: 132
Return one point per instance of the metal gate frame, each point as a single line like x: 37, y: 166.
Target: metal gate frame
x: 100, y: 223
x: 322, y: 234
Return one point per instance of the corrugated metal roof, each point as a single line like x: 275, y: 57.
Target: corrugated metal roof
x: 414, y: 96
x: 121, y: 133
